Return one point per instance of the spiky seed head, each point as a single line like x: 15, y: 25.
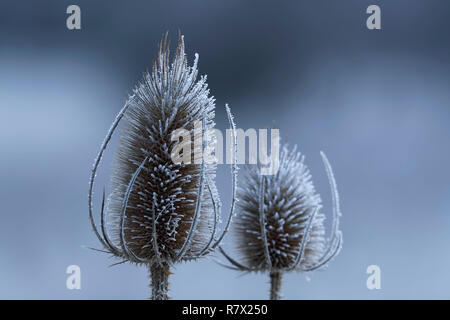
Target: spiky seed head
x: 289, y: 200
x: 167, y: 99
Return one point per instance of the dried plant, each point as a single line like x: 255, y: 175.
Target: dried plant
x: 279, y: 226
x: 159, y: 212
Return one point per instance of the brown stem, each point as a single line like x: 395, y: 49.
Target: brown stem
x: 275, y: 285
x: 159, y: 274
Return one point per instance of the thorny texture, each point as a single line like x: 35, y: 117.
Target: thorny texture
x: 160, y: 212
x: 279, y: 226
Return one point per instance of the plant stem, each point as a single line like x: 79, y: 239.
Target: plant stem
x: 159, y: 274
x: 275, y: 285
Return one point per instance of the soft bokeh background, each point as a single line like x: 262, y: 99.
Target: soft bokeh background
x: 376, y: 101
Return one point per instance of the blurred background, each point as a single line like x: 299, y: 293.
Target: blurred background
x: 377, y: 102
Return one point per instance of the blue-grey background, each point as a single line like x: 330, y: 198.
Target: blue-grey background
x: 376, y: 101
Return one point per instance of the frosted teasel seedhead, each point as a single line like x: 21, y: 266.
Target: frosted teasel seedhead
x: 279, y: 226
x: 159, y: 212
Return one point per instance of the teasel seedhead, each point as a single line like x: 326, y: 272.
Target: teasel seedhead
x: 158, y: 211
x: 279, y: 226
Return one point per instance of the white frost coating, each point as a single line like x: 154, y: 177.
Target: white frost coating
x: 334, y: 195
x: 155, y: 237
x: 305, y: 239
x: 103, y: 225
x: 234, y: 169
x: 128, y: 253
x: 97, y: 161
x: 199, y: 199
x: 335, y: 240
x: 216, y: 205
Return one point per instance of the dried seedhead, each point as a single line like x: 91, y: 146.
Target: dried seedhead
x: 160, y: 212
x: 279, y: 226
